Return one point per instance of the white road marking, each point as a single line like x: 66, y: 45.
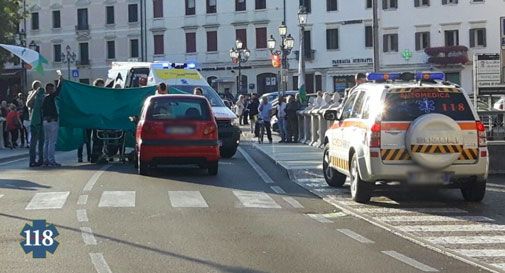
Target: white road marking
x: 482, y: 252
x: 293, y: 202
x: 1, y: 195
x: 466, y: 240
x: 87, y: 236
x: 410, y: 210
x: 407, y: 260
x: 266, y: 178
x: 82, y: 216
x: 495, y: 185
x: 83, y: 200
x: 433, y: 218
x: 320, y: 218
x: 48, y: 200
x: 9, y: 162
x: 92, y: 181
x: 99, y: 262
x: 187, y: 199
x: 278, y: 189
x: 356, y: 236
x: 495, y: 190
x: 501, y: 266
x: 448, y: 228
x: 117, y: 199
x: 251, y: 199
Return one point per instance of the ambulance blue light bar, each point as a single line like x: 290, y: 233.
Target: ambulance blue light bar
x: 191, y: 65
x: 382, y: 76
x: 430, y: 76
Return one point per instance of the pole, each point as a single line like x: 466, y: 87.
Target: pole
x: 25, y: 74
x: 68, y: 68
x: 302, y: 55
x: 375, y: 29
x: 141, y: 30
x: 239, y: 80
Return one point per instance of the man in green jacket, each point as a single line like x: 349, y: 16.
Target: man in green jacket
x: 34, y: 103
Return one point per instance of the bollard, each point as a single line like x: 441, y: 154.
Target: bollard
x: 301, y: 129
x: 323, y: 126
x: 314, y: 127
x: 306, y: 125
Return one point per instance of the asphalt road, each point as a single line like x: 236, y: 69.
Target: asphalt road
x: 249, y: 218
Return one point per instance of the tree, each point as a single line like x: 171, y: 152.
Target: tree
x: 10, y: 16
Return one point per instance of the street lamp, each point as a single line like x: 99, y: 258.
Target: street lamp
x: 302, y: 21
x: 287, y: 44
x: 239, y: 55
x: 68, y: 58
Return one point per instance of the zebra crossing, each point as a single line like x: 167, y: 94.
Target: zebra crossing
x: 437, y: 223
x: 175, y: 199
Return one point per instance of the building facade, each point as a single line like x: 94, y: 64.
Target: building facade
x: 97, y: 32
x: 414, y: 35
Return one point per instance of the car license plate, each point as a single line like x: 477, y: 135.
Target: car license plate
x: 179, y: 130
x: 427, y: 178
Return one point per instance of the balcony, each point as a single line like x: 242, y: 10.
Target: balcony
x: 82, y: 31
x: 447, y: 55
x: 83, y: 62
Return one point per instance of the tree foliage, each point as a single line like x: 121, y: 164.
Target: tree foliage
x: 10, y: 16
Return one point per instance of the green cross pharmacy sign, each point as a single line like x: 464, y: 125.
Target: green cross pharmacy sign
x: 406, y: 54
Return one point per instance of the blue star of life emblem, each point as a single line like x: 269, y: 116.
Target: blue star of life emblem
x: 426, y: 105
x: 39, y: 238
x: 184, y: 81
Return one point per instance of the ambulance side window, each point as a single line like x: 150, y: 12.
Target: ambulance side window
x: 366, y: 108
x: 358, y: 106
x: 347, y: 108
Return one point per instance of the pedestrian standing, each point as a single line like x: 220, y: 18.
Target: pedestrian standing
x: 34, y: 103
x: 4, y: 108
x: 265, y: 113
x: 13, y: 125
x: 50, y: 123
x: 253, y: 112
x: 239, y: 108
x: 281, y: 119
x: 25, y: 121
x: 292, y: 119
x: 87, y: 141
x: 245, y: 113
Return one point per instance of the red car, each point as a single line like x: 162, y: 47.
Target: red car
x: 177, y: 130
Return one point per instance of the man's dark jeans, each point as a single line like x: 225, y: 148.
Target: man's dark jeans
x: 87, y: 142
x: 36, y: 143
x: 266, y: 124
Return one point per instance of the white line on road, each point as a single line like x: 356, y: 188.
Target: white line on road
x: 99, y: 262
x: 482, y: 252
x: 48, y: 200
x: 466, y: 240
x: 407, y: 260
x: 92, y: 181
x: 187, y: 199
x: 83, y: 200
x: 293, y: 202
x: 9, y: 162
x: 500, y: 266
x: 87, y: 236
x: 448, y: 228
x: 117, y: 199
x: 356, y: 236
x: 251, y: 199
x: 266, y: 178
x: 1, y: 195
x: 320, y: 218
x: 410, y: 210
x: 495, y: 185
x: 434, y: 218
x: 82, y: 215
x: 278, y: 189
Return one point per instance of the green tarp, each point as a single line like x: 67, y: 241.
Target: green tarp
x: 84, y: 106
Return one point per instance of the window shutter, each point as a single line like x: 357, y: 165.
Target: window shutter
x: 394, y: 46
x: 428, y: 39
x: 444, y: 2
x: 484, y: 37
x: 416, y: 3
x: 385, y: 47
x: 418, y: 41
x: 394, y: 4
x: 384, y: 4
x: 472, y: 37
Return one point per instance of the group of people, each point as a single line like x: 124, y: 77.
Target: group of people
x: 251, y: 111
x: 14, y: 123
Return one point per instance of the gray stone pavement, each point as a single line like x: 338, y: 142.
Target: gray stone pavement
x: 13, y: 154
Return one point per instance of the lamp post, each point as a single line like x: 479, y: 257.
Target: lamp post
x: 68, y: 58
x: 239, y: 55
x: 302, y: 21
x: 287, y: 44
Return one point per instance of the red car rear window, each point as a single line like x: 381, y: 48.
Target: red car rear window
x: 407, y: 106
x: 178, y: 109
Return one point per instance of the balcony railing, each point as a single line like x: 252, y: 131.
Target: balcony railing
x: 83, y: 62
x: 309, y: 54
x: 82, y: 27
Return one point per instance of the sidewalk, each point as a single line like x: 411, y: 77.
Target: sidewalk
x: 8, y: 154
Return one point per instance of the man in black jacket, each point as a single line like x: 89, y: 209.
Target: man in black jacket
x: 292, y: 119
x: 253, y: 105
x: 50, y: 122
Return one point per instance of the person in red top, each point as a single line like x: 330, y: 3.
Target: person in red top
x: 13, y: 125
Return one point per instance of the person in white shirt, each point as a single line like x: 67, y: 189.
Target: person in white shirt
x: 281, y: 119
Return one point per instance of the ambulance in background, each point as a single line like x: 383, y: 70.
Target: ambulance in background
x: 182, y: 78
x: 127, y: 74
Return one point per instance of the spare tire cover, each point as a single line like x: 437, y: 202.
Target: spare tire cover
x: 434, y: 141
